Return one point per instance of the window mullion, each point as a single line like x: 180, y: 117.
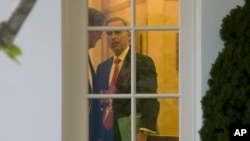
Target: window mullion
x: 133, y: 72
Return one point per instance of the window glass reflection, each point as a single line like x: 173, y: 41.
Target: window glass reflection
x: 107, y: 118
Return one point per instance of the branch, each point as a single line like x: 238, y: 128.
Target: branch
x: 9, y: 29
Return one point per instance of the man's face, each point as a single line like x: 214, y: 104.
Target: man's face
x: 118, y: 40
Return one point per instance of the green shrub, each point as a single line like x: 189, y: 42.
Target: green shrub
x: 227, y: 101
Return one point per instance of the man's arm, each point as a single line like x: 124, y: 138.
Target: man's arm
x: 147, y: 83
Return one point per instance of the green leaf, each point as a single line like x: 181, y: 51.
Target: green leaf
x: 12, y: 51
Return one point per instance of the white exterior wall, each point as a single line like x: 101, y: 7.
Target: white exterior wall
x: 30, y: 93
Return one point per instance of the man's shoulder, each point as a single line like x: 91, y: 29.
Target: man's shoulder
x: 107, y: 61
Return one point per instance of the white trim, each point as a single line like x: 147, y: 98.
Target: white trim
x: 74, y: 99
x: 198, y: 70
x: 133, y: 73
x: 186, y: 51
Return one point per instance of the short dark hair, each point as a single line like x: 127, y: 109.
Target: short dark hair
x: 96, y: 17
x: 125, y: 23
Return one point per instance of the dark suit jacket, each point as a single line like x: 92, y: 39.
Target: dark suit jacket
x: 146, y: 82
x: 94, y: 105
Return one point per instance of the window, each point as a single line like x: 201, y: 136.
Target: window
x: 165, y: 36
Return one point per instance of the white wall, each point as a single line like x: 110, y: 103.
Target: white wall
x: 213, y: 11
x: 30, y: 93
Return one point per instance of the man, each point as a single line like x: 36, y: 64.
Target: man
x: 146, y: 82
x: 96, y: 18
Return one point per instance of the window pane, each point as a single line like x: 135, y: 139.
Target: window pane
x: 106, y: 116
x: 162, y: 48
x: 166, y: 121
x: 168, y: 117
x: 159, y: 115
x: 160, y: 13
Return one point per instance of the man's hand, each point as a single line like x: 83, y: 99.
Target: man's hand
x: 141, y: 136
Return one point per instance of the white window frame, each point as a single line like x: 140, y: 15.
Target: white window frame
x: 74, y: 55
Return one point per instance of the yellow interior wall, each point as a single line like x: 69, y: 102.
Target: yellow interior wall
x: 162, y: 47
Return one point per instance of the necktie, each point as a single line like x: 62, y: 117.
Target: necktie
x: 108, y: 114
x: 112, y: 86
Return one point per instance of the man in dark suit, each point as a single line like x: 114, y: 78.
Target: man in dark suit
x: 96, y: 18
x: 146, y: 82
